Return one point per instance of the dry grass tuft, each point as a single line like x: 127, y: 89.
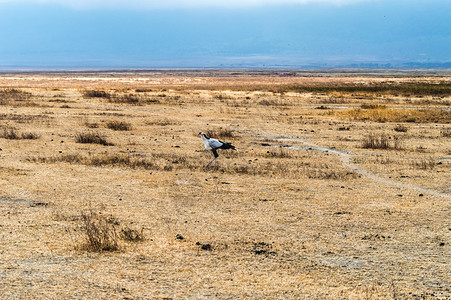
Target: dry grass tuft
x: 220, y: 133
x: 125, y: 99
x: 96, y: 94
x: 91, y: 138
x: 279, y: 153
x: 400, y: 128
x: 380, y: 141
x: 425, y: 164
x: 372, y: 106
x: 131, y: 235
x: 12, y: 134
x: 119, y: 125
x: 161, y: 122
x: 99, y: 232
x: 8, y: 95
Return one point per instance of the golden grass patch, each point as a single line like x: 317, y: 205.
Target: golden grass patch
x: 383, y: 114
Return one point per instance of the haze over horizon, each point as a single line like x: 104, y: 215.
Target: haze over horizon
x: 248, y: 33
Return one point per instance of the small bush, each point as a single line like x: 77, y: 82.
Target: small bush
x: 372, y: 106
x: 446, y: 132
x: 400, y: 128
x: 99, y: 232
x: 96, y: 94
x: 125, y: 99
x: 220, y: 133
x: 119, y: 125
x: 29, y: 136
x: 425, y: 164
x: 7, y: 95
x: 131, y: 235
x: 91, y: 138
x: 381, y: 141
x: 280, y: 153
x: 92, y: 124
x: 11, y: 134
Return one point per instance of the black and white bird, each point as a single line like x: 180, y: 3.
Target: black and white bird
x: 213, y: 145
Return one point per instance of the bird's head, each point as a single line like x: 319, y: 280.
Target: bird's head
x: 201, y: 133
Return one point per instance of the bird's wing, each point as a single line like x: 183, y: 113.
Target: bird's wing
x: 214, y: 143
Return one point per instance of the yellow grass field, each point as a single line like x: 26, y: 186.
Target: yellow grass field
x: 340, y: 188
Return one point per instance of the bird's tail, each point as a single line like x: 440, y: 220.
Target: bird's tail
x: 228, y: 146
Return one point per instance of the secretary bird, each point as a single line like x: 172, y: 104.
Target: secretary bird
x: 213, y: 145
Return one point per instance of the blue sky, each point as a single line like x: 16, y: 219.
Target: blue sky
x: 233, y: 33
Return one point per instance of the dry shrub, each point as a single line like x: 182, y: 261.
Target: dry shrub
x: 125, y: 99
x: 29, y: 136
x: 8, y: 95
x: 399, y: 115
x: 92, y: 124
x: 91, y: 138
x: 425, y: 164
x: 96, y: 94
x: 372, y: 106
x: 99, y: 232
x: 272, y: 102
x: 400, y: 128
x: 11, y: 134
x: 118, y: 160
x: 119, y: 125
x: 445, y: 132
x: 220, y: 133
x: 380, y: 141
x: 131, y: 235
x: 161, y: 122
x: 279, y: 153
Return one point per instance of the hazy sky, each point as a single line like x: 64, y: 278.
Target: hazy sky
x: 201, y: 33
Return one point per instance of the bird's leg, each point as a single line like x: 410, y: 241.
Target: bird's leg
x: 210, y: 162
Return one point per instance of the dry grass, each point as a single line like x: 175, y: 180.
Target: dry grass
x: 12, y: 134
x: 8, y: 96
x: 96, y: 94
x: 119, y: 125
x: 91, y: 138
x: 99, y: 232
x: 383, y: 114
x: 220, y: 133
x: 301, y: 211
x: 381, y: 141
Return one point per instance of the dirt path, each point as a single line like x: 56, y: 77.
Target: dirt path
x: 345, y: 158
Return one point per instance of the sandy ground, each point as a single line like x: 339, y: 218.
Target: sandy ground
x: 301, y: 211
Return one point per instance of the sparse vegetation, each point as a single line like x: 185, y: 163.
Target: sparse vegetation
x: 99, y: 232
x: 220, y: 133
x: 400, y: 128
x: 399, y: 115
x: 381, y: 141
x: 12, y: 134
x: 425, y: 164
x: 96, y: 94
x: 119, y: 125
x: 300, y: 211
x: 91, y: 138
x: 9, y: 95
x: 132, y: 235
